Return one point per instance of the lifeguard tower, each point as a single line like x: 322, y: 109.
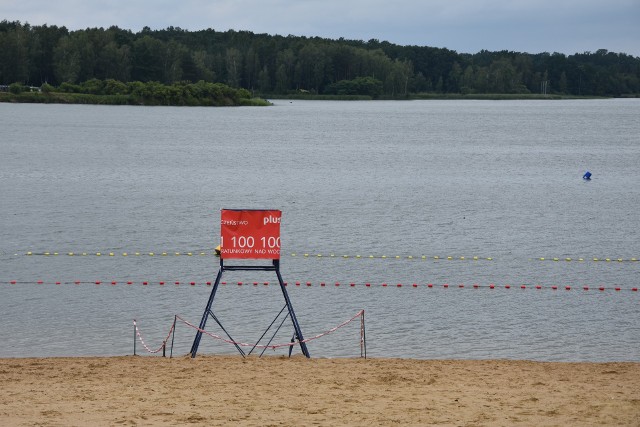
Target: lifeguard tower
x: 250, y: 234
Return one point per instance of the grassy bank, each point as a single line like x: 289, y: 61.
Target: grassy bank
x: 84, y: 98
x: 495, y: 96
x: 428, y: 96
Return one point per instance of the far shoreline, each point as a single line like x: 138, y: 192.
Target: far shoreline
x: 262, y: 101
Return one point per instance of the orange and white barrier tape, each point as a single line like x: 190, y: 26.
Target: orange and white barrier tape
x: 139, y: 335
x: 272, y: 346
x: 241, y: 344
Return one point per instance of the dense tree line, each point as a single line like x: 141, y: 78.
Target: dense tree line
x: 273, y: 64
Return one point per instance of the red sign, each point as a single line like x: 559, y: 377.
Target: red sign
x: 250, y: 233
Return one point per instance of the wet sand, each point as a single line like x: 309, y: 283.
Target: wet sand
x: 277, y: 391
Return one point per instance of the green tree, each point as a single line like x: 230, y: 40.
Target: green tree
x: 310, y: 67
x: 501, y: 76
x: 66, y: 61
x: 397, y: 82
x: 251, y: 68
x: 17, y: 88
x: 93, y: 86
x: 148, y: 59
x: 285, y: 63
x: 264, y: 80
x: 203, y: 64
x: 455, y: 80
x: 42, y: 44
x: 468, y: 81
x: 359, y: 86
x: 115, y: 87
x: 172, y: 60
x: 14, y: 58
x: 233, y: 63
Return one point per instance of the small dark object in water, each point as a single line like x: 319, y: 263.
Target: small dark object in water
x: 587, y: 176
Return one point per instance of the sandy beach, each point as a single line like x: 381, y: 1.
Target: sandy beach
x: 278, y: 391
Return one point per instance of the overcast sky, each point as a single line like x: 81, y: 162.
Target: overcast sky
x: 466, y: 26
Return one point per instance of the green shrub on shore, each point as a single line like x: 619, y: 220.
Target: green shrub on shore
x: 113, y: 92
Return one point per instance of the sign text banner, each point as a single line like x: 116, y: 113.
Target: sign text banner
x: 250, y: 234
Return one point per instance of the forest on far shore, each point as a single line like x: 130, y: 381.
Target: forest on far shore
x: 269, y: 65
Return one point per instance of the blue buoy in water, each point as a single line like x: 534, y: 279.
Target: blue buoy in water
x: 587, y: 176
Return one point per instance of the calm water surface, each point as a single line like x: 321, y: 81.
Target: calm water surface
x: 404, y: 180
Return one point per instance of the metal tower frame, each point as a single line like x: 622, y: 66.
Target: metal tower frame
x: 209, y: 313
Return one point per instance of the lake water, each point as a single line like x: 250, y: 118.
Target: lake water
x: 390, y: 189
